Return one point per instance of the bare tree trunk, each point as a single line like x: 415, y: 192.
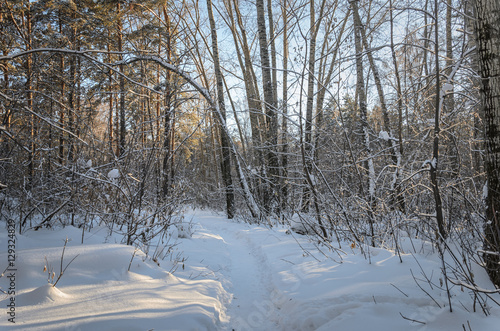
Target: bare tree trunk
x: 63, y: 92
x: 306, y: 193
x: 309, y: 151
x: 252, y: 95
x: 488, y: 40
x: 271, y: 113
x: 111, y: 98
x: 284, y: 111
x: 360, y: 89
x: 226, y: 153
x: 167, y: 170
x: 29, y: 96
x: 435, y: 152
x: 272, y: 38
x: 72, y: 95
x: 400, y: 200
x: 257, y: 119
x: 123, y: 132
x: 323, y: 83
x: 452, y: 150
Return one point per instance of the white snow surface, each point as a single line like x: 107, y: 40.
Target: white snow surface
x: 234, y: 276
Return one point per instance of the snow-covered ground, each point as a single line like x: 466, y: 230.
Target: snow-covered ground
x: 230, y: 276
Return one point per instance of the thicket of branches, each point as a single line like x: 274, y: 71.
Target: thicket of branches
x: 361, y: 117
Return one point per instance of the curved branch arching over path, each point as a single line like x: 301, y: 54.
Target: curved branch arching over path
x: 249, y: 199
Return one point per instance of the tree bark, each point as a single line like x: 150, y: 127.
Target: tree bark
x: 396, y: 184
x: 437, y: 130
x: 452, y: 151
x: 168, y: 158
x: 226, y: 154
x: 309, y: 151
x: 123, y: 132
x: 271, y: 136
x: 487, y: 26
x: 252, y: 93
x: 363, y: 118
x: 29, y: 96
x: 272, y: 37
x: 284, y: 111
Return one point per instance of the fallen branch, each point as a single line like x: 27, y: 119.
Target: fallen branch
x: 411, y: 319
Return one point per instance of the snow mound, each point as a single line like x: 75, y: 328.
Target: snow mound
x: 44, y: 294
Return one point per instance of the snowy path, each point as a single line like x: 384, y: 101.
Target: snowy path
x: 274, y: 284
x: 248, y: 275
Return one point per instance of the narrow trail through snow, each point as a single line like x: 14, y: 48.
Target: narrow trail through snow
x: 273, y: 279
x: 250, y: 277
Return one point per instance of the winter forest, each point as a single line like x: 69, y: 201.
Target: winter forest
x: 250, y: 165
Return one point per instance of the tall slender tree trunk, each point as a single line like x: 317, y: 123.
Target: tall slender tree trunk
x: 284, y: 111
x: 309, y: 150
x: 168, y: 162
x: 29, y: 96
x: 360, y: 89
x: 400, y: 200
x: 437, y: 130
x: 449, y: 105
x: 123, y: 132
x: 323, y: 83
x: 306, y: 193
x: 72, y: 96
x: 110, y: 101
x: 271, y: 136
x: 226, y: 153
x: 252, y: 94
x: 272, y: 43
x: 63, y: 94
x: 488, y: 41
x: 257, y: 119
